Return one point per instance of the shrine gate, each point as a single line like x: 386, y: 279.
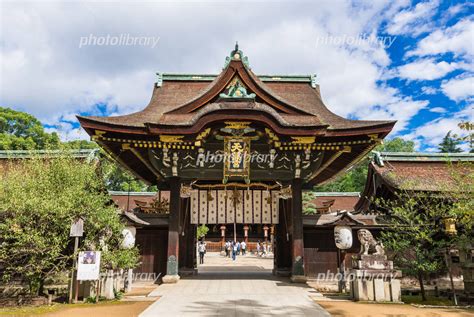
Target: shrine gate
x: 235, y: 148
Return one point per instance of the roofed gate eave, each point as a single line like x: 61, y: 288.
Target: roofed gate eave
x: 377, y: 176
x: 135, y: 123
x: 91, y: 123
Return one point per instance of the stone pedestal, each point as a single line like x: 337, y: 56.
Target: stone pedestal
x: 109, y: 285
x: 467, y: 266
x: 283, y: 272
x: 128, y: 281
x: 298, y: 279
x: 172, y: 264
x: 86, y: 289
x: 374, y: 279
x: 170, y: 279
x: 468, y: 277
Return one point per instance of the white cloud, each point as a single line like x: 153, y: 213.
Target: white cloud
x: 67, y: 132
x: 426, y: 69
x: 456, y: 39
x: 45, y: 72
x: 454, y: 10
x: 437, y: 110
x: 400, y: 109
x: 431, y: 134
x: 459, y: 88
x: 427, y: 90
x: 414, y: 20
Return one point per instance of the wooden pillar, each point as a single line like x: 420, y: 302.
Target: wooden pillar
x: 282, y: 249
x: 173, y: 232
x: 297, y: 269
x: 187, y: 243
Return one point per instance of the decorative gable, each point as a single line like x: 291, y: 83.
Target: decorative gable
x: 238, y: 83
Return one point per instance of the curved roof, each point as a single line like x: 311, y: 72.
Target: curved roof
x: 182, y: 99
x: 417, y: 171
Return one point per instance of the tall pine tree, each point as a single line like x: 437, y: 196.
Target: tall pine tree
x: 449, y: 144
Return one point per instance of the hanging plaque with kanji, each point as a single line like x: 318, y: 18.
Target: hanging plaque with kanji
x: 237, y: 157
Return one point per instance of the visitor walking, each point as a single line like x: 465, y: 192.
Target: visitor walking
x: 238, y: 248
x: 243, y: 245
x: 234, y: 250
x: 229, y: 248
x: 226, y: 248
x: 258, y: 248
x: 202, y: 251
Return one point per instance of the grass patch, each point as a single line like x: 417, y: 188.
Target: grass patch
x: 39, y: 310
x: 30, y: 310
x: 430, y: 300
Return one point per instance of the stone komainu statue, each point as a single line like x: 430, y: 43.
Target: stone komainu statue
x: 368, y: 245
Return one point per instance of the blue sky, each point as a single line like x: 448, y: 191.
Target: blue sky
x: 405, y: 60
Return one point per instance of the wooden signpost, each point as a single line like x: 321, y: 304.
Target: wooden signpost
x: 77, y: 231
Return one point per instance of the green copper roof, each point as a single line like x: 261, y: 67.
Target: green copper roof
x: 23, y: 154
x: 124, y: 193
x: 426, y: 156
x: 336, y: 194
x: 265, y: 78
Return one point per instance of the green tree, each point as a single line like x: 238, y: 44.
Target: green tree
x: 468, y: 128
x: 450, y: 144
x: 396, y: 145
x: 411, y: 236
x: 22, y: 131
x: 416, y: 235
x: 79, y: 145
x: 36, y: 213
x: 202, y: 230
x: 309, y: 208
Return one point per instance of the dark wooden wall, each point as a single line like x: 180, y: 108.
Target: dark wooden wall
x: 282, y: 251
x: 320, y: 251
x: 153, y: 245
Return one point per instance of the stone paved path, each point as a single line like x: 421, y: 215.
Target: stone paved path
x: 245, y: 287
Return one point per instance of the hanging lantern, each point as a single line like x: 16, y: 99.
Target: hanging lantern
x: 343, y: 237
x: 185, y: 191
x: 265, y: 231
x: 246, y: 231
x: 128, y: 237
x: 269, y: 197
x: 209, y: 196
x: 450, y: 226
x: 286, y: 192
x: 222, y: 231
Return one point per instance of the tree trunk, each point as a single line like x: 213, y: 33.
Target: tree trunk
x: 422, y: 286
x: 41, y: 287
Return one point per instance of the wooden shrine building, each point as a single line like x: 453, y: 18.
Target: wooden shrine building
x: 236, y: 148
